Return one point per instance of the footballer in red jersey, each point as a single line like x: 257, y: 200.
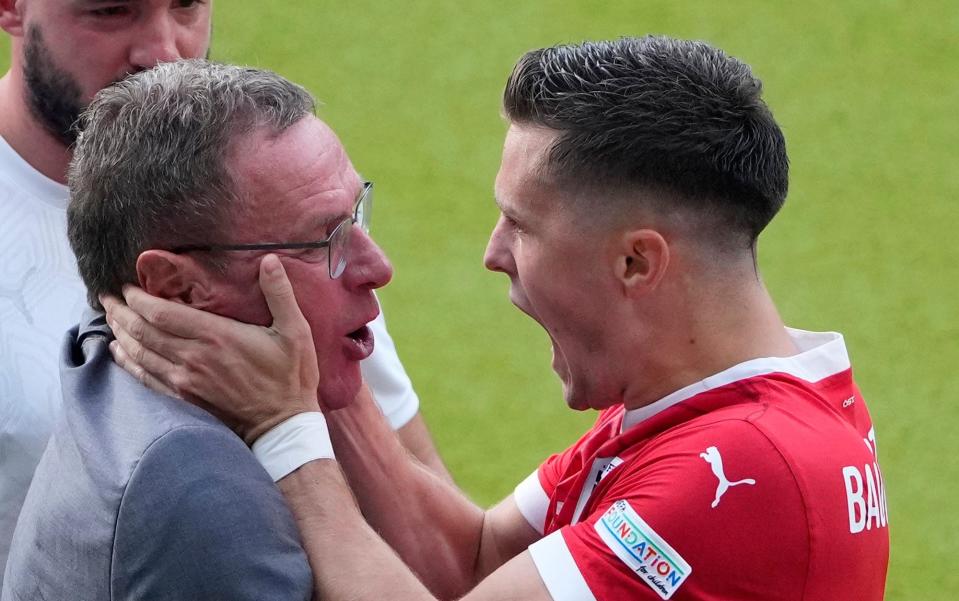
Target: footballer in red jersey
x: 760, y: 482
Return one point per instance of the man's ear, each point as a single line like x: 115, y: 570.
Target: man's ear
x: 174, y: 277
x: 641, y: 261
x: 11, y: 17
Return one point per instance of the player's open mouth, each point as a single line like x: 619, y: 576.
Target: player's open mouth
x: 362, y: 346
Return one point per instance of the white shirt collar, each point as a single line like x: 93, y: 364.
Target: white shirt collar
x: 32, y: 181
x: 821, y: 354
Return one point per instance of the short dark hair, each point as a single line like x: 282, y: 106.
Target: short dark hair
x: 678, y: 118
x: 149, y: 171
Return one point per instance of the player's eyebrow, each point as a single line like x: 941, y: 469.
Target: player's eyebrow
x: 315, y: 229
x: 323, y: 224
x: 326, y: 223
x: 504, y: 208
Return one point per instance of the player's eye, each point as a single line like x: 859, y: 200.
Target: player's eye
x: 511, y: 223
x: 187, y: 3
x: 119, y: 10
x: 313, y: 255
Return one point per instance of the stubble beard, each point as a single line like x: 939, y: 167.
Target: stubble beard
x: 52, y: 94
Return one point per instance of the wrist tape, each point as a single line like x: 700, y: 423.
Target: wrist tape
x: 292, y: 443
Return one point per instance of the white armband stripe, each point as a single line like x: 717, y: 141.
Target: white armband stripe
x: 558, y: 570
x: 292, y: 443
x: 532, y: 500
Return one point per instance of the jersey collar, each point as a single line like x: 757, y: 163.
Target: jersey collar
x: 821, y: 354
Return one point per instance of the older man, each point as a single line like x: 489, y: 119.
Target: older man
x: 733, y: 458
x: 184, y: 177
x: 62, y: 53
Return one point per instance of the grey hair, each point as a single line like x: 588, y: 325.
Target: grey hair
x: 148, y: 169
x: 676, y: 118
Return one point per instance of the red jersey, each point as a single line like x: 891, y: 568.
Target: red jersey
x: 760, y: 482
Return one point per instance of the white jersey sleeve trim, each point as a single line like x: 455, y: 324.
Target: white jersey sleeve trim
x: 384, y: 373
x: 532, y: 500
x: 558, y: 570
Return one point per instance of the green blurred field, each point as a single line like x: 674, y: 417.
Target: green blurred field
x: 866, y: 244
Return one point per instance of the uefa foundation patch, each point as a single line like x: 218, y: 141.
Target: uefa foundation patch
x: 640, y: 548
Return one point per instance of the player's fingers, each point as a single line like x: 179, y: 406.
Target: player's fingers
x: 110, y: 302
x: 278, y: 292
x: 136, y: 370
x: 139, y: 357
x: 174, y: 318
x: 126, y: 322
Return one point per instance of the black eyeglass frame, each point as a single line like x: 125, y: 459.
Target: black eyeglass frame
x: 361, y: 215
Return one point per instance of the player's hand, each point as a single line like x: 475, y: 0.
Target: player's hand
x: 251, y: 377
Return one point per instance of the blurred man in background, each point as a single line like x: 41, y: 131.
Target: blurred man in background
x: 62, y: 53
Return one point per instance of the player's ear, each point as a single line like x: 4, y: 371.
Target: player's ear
x: 11, y: 17
x: 179, y: 278
x: 641, y: 261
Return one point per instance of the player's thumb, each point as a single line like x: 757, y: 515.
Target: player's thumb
x: 279, y: 296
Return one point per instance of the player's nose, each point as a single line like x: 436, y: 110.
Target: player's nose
x: 368, y: 266
x: 155, y: 42
x: 498, y: 256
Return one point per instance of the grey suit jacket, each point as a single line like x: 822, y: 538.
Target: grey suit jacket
x: 141, y: 496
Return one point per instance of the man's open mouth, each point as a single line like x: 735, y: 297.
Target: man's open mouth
x: 362, y: 346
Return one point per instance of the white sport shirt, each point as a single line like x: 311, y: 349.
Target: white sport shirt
x: 41, y: 297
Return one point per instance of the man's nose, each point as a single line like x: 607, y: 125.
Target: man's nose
x: 367, y: 265
x: 155, y: 42
x: 497, y: 256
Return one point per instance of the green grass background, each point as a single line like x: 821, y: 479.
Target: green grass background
x: 866, y: 93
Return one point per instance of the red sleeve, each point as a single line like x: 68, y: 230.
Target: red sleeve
x: 533, y: 494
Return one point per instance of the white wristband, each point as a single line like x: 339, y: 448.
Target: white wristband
x: 292, y: 443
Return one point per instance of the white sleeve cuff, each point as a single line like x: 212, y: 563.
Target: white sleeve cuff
x: 558, y: 569
x: 532, y: 500
x: 384, y: 373
x: 293, y: 443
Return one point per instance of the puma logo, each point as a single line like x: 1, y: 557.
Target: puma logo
x: 715, y: 460
x: 15, y: 295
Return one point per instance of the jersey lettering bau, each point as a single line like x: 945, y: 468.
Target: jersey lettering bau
x: 760, y: 482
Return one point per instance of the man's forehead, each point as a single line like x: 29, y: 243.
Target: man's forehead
x: 527, y: 147
x: 307, y: 148
x: 302, y: 176
x: 522, y: 176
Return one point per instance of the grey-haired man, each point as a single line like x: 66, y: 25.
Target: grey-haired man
x: 185, y: 176
x: 62, y: 53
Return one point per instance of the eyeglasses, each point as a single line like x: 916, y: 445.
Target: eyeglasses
x: 338, y: 241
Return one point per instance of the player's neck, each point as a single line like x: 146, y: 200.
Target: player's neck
x: 26, y: 135
x: 707, y: 337
x: 749, y: 329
